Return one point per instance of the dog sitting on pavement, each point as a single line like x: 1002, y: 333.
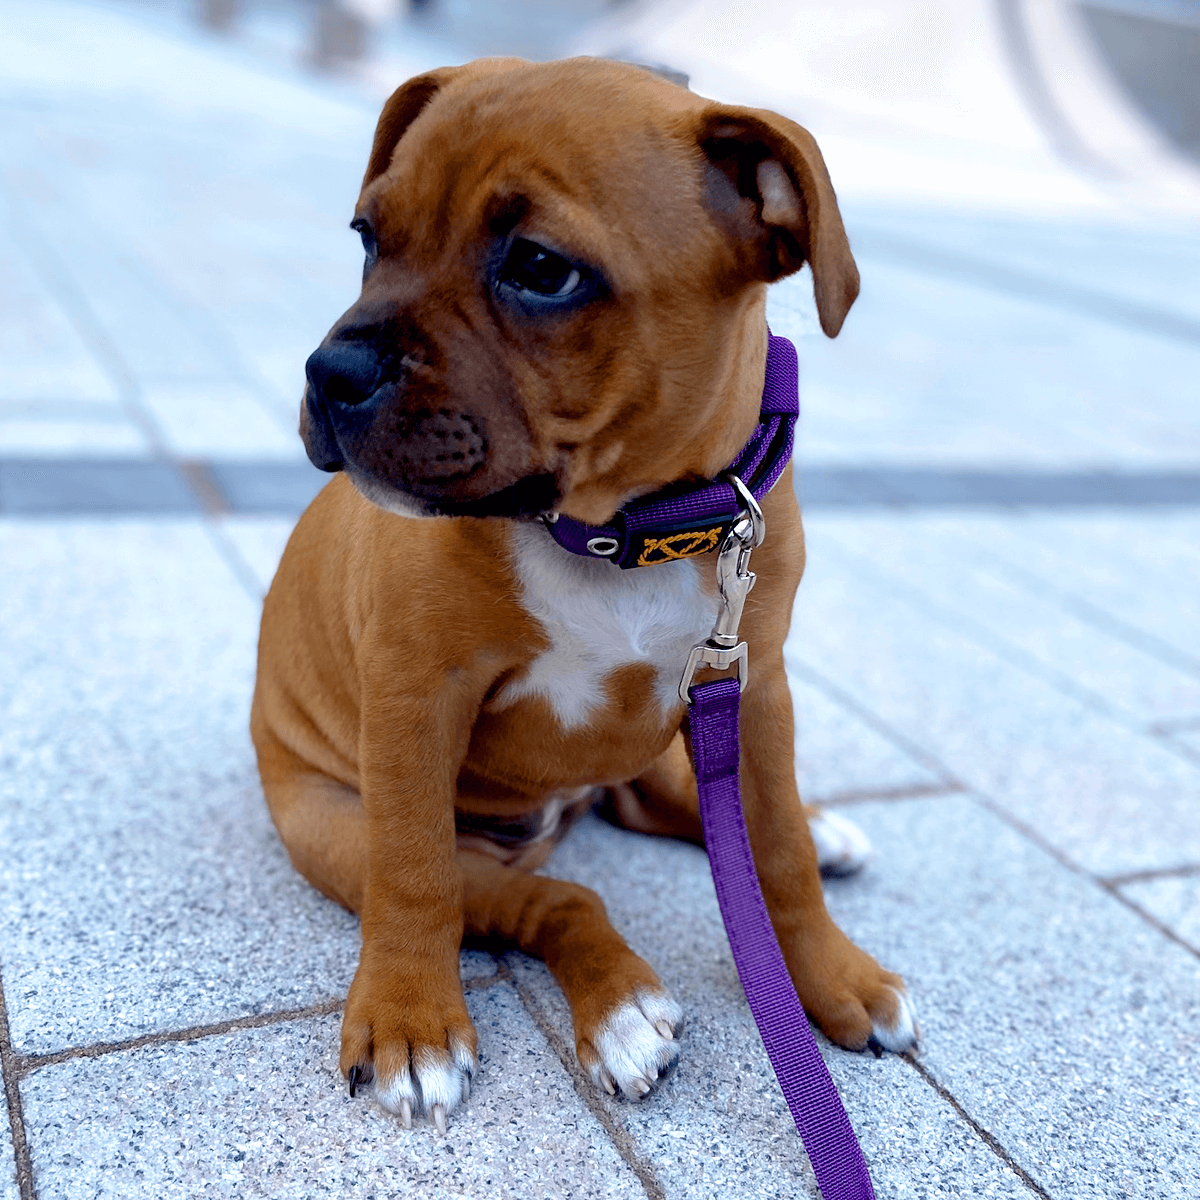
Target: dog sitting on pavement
x: 563, y: 309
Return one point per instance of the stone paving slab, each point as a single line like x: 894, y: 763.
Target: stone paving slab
x: 206, y: 420
x: 937, y: 372
x: 947, y: 560
x: 1136, y: 571
x: 259, y: 543
x: 45, y: 487
x: 44, y: 356
x: 48, y: 435
x: 144, y: 887
x: 1108, y: 798
x: 265, y: 1112
x: 718, y: 1125
x: 1058, y: 1018
x: 1156, y: 265
x: 1188, y: 738
x: 258, y: 487
x: 8, y: 1171
x: 841, y: 757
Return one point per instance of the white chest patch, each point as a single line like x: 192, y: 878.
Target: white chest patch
x: 598, y: 618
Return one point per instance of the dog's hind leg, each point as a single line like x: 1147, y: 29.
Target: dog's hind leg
x: 320, y: 821
x: 626, y: 1022
x: 663, y: 802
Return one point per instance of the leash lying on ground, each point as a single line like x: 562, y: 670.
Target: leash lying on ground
x: 682, y: 523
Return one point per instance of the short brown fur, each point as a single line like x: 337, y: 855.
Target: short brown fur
x: 386, y: 640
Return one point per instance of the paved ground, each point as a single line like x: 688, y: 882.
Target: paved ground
x: 996, y: 662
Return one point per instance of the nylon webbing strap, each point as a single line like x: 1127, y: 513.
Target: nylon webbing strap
x: 815, y: 1106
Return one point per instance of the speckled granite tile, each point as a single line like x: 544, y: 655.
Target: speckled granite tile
x: 839, y: 755
x: 265, y: 1113
x: 8, y: 1169
x: 1106, y: 795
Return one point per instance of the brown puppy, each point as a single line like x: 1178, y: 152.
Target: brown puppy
x: 562, y: 309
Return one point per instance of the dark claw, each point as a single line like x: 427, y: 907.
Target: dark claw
x: 874, y: 1046
x: 355, y: 1079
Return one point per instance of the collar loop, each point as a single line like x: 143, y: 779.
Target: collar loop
x: 683, y: 520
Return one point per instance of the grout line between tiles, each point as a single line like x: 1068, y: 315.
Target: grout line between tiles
x: 1006, y: 650
x: 24, y: 1064
x: 1150, y: 918
x: 1181, y: 872
x: 986, y: 1136
x: 27, y: 1063
x: 12, y: 1094
x: 584, y: 1089
x: 918, y: 753
x: 202, y: 483
x: 227, y: 548
x: 994, y: 807
x: 917, y: 791
x: 1059, y: 857
x: 1168, y: 728
x: 1092, y: 614
x: 78, y: 307
x: 62, y: 284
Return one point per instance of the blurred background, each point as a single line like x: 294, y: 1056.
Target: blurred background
x: 1020, y: 180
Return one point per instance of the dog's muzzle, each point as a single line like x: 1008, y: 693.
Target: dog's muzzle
x: 371, y: 412
x: 359, y: 411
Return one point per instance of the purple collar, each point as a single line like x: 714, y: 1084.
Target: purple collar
x: 686, y: 519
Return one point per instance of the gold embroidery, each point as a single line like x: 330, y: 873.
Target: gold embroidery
x: 679, y: 545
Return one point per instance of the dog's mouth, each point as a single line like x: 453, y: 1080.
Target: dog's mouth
x: 526, y: 498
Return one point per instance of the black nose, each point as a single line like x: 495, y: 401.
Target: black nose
x: 344, y: 371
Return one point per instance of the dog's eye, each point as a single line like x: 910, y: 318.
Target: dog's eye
x: 533, y: 268
x: 362, y: 227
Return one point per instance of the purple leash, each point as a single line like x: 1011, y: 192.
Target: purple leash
x: 713, y: 716
x: 811, y: 1097
x: 681, y: 522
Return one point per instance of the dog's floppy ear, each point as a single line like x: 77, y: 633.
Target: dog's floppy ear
x: 401, y: 110
x: 768, y: 186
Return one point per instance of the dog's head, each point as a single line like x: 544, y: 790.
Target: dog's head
x: 562, y: 302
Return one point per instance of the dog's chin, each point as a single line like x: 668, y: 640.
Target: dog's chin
x: 526, y: 498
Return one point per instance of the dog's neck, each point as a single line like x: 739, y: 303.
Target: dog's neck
x: 684, y: 520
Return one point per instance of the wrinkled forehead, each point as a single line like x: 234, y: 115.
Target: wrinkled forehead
x: 600, y: 153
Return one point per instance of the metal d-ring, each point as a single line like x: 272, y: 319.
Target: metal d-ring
x: 603, y: 547
x: 758, y: 522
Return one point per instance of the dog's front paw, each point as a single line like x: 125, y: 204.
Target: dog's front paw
x: 852, y: 999
x: 633, y: 1043
x: 419, y: 1054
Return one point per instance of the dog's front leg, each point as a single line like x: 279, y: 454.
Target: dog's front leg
x: 854, y: 1001
x: 406, y: 1024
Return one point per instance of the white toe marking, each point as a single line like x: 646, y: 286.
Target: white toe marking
x: 397, y: 1092
x: 903, y: 1034
x: 842, y: 848
x: 633, y: 1050
x: 438, y: 1081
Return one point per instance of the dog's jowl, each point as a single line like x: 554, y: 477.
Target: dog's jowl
x: 562, y: 309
